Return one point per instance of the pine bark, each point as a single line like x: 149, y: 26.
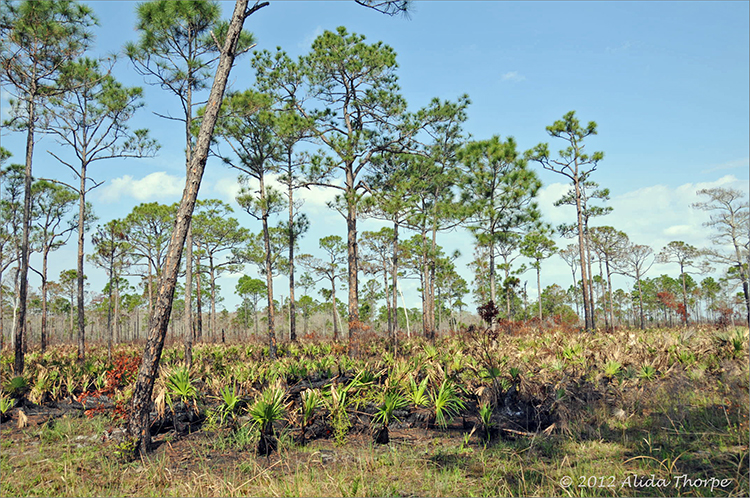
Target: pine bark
x: 355, y: 327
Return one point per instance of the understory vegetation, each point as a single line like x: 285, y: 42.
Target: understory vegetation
x: 480, y: 412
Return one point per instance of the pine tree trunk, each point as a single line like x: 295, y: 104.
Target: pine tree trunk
x: 109, y: 312
x: 188, y: 323
x: 189, y: 330
x: 604, y: 295
x: 81, y: 219
x: 199, y: 303
x: 640, y: 302
x: 43, y: 328
x: 117, y: 324
x: 684, y: 295
x: 333, y: 308
x: 611, y: 299
x: 20, y: 318
x: 588, y: 323
x: 269, y: 275
x: 292, y: 236
x: 2, y: 331
x: 213, y: 296
x: 493, y: 285
x: 539, y: 288
x: 355, y: 326
x: 592, y: 301
x: 394, y: 281
x: 139, y: 422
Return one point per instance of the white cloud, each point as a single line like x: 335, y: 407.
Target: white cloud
x: 681, y: 231
x: 228, y: 188
x: 513, y: 76
x: 653, y: 215
x: 315, y: 199
x: 4, y: 104
x: 309, y: 39
x: 737, y: 163
x: 624, y: 47
x: 658, y: 214
x: 153, y: 187
x: 547, y: 197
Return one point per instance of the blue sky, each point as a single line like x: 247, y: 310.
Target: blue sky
x: 666, y: 82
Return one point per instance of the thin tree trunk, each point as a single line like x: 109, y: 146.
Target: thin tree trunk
x: 578, y: 308
x: 150, y: 290
x: 72, y: 309
x: 213, y: 296
x: 81, y: 220
x: 189, y: 331
x: 188, y: 322
x: 355, y: 326
x: 389, y: 322
x: 20, y: 318
x: 493, y: 285
x: 292, y: 235
x: 255, y: 314
x: 333, y: 304
x: 539, y: 288
x: 640, y: 302
x: 199, y: 302
x: 684, y: 296
x: 604, y: 295
x: 139, y: 422
x: 394, y: 281
x: 43, y: 328
x: 507, y: 288
x: 425, y: 294
x: 109, y: 311
x: 611, y: 299
x: 117, y: 323
x: 269, y: 276
x: 431, y: 281
x: 2, y: 332
x: 592, y: 300
x: 588, y: 322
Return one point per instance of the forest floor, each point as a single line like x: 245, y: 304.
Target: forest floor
x: 681, y: 432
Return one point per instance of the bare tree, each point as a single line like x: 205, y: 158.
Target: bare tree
x: 729, y: 218
x: 635, y: 263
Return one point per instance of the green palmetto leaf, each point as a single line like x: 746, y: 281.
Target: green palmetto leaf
x: 179, y: 384
x: 269, y: 407
x: 647, y: 372
x: 612, y: 368
x: 446, y: 403
x: 485, y: 414
x: 230, y: 400
x: 311, y: 401
x: 392, y: 401
x: 17, y: 386
x: 6, y: 403
x: 418, y: 393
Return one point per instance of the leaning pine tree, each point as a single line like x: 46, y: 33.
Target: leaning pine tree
x: 139, y: 421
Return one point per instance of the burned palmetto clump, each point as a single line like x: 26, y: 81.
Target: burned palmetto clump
x: 268, y: 408
x: 488, y: 312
